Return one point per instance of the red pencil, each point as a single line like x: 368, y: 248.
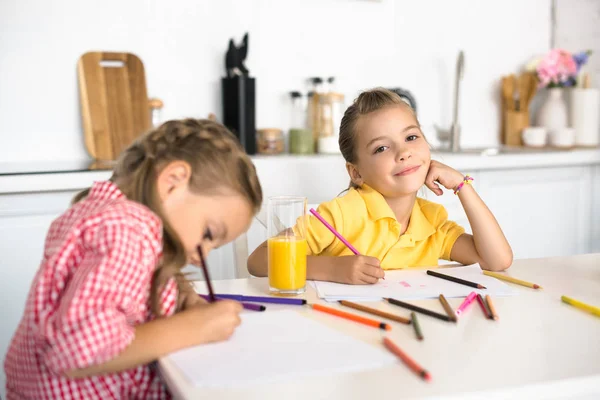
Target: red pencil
x: 410, y: 363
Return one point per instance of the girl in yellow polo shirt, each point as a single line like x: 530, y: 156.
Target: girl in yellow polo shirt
x: 388, y: 160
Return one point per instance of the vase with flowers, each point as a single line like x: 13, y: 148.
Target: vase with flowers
x: 555, y: 71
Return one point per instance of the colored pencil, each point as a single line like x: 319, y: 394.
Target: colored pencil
x: 484, y: 308
x: 416, y: 325
x: 262, y: 299
x: 511, y: 279
x: 374, y: 311
x: 418, y: 309
x: 336, y: 233
x: 410, y: 363
x: 211, y: 293
x: 491, y: 306
x: 582, y: 306
x: 456, y: 280
x: 247, y: 306
x: 468, y: 300
x: 351, y: 317
x: 447, y: 308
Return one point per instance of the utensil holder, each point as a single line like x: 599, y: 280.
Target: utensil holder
x: 514, y: 123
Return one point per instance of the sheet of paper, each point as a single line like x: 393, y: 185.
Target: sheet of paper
x: 277, y: 345
x: 414, y: 285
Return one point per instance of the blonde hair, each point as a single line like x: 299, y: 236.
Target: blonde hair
x: 217, y: 162
x: 366, y: 103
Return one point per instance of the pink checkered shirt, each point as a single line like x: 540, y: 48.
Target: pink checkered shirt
x: 92, y: 289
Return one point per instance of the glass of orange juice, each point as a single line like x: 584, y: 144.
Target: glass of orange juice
x: 287, y: 244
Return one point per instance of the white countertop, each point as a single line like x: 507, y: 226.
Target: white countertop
x: 540, y: 348
x: 75, y: 175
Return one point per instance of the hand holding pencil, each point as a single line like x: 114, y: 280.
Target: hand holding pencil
x: 357, y: 269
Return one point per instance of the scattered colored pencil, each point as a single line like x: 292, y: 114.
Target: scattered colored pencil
x: 468, y: 300
x: 456, y: 280
x: 336, y: 233
x: 247, y: 306
x: 511, y: 279
x: 484, y: 308
x: 351, y: 317
x: 211, y: 293
x: 418, y: 309
x: 416, y: 325
x: 262, y: 299
x: 582, y: 306
x: 374, y: 311
x: 491, y: 306
x: 410, y: 363
x: 447, y: 308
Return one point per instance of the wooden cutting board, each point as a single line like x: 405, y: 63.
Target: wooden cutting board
x: 114, y: 102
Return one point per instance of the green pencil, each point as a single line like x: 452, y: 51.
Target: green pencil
x: 415, y: 324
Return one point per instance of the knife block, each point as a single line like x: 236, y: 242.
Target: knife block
x: 239, y: 99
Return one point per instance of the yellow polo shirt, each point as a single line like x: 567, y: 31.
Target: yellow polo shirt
x: 364, y: 218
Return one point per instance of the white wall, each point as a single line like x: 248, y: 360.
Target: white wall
x: 577, y: 28
x: 182, y: 44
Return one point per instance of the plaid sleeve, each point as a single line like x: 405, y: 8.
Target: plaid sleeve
x: 101, y: 303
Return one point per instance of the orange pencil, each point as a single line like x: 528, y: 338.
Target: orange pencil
x: 351, y: 317
x: 490, y: 305
x: 410, y: 363
x: 374, y: 311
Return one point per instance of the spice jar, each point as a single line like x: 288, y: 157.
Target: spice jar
x: 156, y: 106
x: 269, y: 141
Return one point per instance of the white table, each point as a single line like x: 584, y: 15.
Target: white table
x: 539, y: 348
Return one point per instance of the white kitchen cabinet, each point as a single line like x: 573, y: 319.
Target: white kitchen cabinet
x: 595, y: 222
x: 543, y: 211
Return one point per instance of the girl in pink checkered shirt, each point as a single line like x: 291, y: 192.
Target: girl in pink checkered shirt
x: 109, y: 298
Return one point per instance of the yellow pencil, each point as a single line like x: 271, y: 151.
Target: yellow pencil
x: 511, y: 279
x: 581, y: 306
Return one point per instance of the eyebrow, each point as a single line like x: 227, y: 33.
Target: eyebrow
x: 383, y: 137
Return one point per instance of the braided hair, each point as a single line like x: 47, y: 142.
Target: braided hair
x: 217, y: 161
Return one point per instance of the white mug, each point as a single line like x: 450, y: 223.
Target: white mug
x: 535, y: 136
x: 563, y: 137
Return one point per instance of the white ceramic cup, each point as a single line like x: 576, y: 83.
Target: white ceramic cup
x: 564, y: 137
x: 535, y: 136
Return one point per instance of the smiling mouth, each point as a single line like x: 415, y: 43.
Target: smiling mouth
x: 408, y: 171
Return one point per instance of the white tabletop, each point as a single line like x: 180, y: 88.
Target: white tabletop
x: 539, y: 348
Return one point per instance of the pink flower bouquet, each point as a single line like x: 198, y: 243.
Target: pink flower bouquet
x: 559, y: 68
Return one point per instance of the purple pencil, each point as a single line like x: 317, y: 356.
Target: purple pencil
x: 247, y: 306
x: 261, y: 299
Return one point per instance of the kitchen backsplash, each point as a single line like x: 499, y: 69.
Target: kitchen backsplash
x: 362, y: 43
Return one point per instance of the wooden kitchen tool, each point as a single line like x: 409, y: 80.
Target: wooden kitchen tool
x: 114, y: 102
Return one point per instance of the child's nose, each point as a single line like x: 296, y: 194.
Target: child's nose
x: 403, y: 154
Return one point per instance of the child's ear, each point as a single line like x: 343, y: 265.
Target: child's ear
x: 354, y: 174
x: 173, y: 176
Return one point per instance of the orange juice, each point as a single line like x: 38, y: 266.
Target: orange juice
x: 287, y: 263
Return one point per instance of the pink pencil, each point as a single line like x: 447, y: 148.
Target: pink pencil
x: 472, y: 296
x: 316, y: 214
